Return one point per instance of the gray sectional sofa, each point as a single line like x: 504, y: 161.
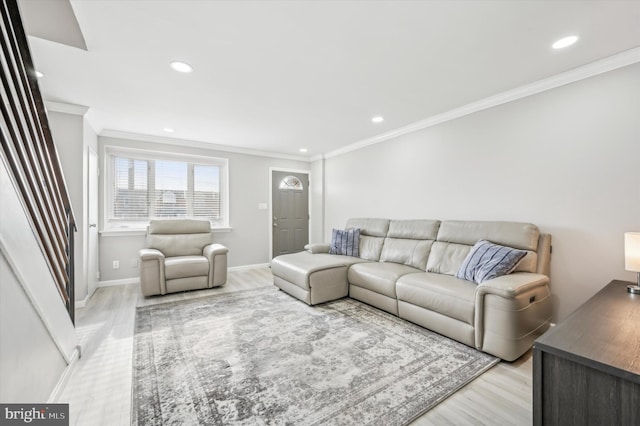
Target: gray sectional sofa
x: 408, y: 268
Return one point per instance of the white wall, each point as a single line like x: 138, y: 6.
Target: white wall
x: 73, y: 136
x: 565, y: 159
x: 31, y: 363
x: 249, y: 239
x: 316, y: 193
x: 37, y: 338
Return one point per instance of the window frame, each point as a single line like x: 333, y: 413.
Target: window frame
x: 111, y: 225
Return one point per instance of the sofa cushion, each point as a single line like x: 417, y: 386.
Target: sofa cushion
x: 378, y: 277
x: 446, y: 258
x: 440, y: 293
x: 345, y: 242
x: 179, y: 244
x: 372, y: 233
x: 370, y: 247
x: 487, y: 260
x: 370, y: 227
x: 455, y: 239
x: 523, y: 236
x: 185, y: 266
x: 179, y: 226
x: 409, y: 242
x: 406, y: 252
x: 529, y: 263
x: 421, y: 229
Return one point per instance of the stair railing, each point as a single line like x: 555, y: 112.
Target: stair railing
x: 31, y: 157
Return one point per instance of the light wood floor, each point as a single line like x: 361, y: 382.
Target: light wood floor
x: 99, y: 389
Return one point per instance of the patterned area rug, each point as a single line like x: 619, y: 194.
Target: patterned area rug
x: 261, y: 357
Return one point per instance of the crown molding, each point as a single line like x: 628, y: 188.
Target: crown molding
x: 66, y: 108
x: 601, y: 66
x: 607, y: 64
x: 198, y: 144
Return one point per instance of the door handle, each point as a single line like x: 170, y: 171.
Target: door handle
x: 92, y: 225
x: 275, y: 225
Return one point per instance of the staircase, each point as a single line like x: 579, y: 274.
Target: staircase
x: 29, y: 153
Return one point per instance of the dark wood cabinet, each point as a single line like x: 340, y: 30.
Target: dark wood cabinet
x: 586, y: 370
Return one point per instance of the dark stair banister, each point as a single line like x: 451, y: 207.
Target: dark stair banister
x: 31, y: 157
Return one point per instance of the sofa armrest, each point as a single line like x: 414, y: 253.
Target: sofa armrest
x: 150, y: 254
x: 511, y: 311
x: 317, y: 248
x: 217, y: 256
x: 511, y: 285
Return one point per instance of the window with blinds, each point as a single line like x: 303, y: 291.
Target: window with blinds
x: 147, y: 186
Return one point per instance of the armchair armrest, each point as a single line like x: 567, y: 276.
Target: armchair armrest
x: 511, y: 285
x: 317, y: 248
x: 213, y: 249
x: 152, y: 279
x: 217, y: 256
x: 150, y: 254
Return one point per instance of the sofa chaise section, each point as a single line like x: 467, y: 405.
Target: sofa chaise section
x: 314, y: 276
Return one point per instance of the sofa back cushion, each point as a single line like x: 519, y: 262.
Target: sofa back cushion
x: 409, y: 242
x: 179, y: 237
x: 372, y: 233
x: 456, y: 238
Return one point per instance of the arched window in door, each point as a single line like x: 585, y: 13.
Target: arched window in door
x: 291, y: 182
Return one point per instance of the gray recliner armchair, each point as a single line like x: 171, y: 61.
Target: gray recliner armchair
x: 179, y: 256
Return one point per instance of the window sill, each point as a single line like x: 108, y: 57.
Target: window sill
x: 131, y: 232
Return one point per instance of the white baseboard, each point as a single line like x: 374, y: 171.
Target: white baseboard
x: 82, y: 303
x: 136, y: 280
x: 123, y: 281
x: 245, y: 267
x: 64, y: 377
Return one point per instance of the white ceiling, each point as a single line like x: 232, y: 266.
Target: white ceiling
x: 277, y: 76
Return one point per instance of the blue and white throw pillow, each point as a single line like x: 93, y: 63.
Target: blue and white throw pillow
x: 346, y: 243
x: 487, y: 260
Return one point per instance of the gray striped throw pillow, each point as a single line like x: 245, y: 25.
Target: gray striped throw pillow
x: 345, y: 242
x: 487, y: 260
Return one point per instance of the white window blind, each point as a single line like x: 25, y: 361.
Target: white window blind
x: 144, y: 186
x: 131, y: 200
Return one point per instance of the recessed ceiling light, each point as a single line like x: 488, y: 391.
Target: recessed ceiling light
x: 564, y: 42
x: 39, y: 74
x: 168, y: 130
x: 181, y: 66
x: 303, y: 150
x: 377, y: 119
